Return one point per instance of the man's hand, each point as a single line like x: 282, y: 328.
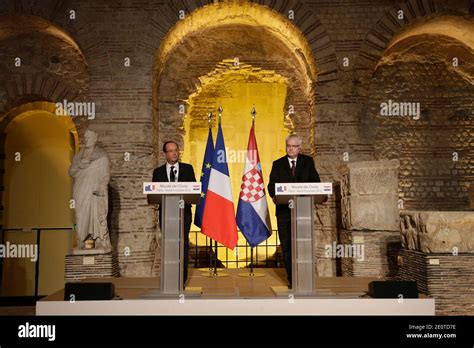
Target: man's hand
x: 274, y: 199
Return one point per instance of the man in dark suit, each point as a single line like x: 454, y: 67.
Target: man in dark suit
x: 175, y: 171
x: 294, y: 167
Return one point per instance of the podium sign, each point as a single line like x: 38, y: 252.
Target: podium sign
x: 301, y: 198
x: 303, y: 188
x: 171, y: 188
x: 172, y: 196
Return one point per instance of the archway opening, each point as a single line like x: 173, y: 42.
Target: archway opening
x: 247, y: 36
x: 420, y: 111
x: 39, y: 146
x: 237, y: 88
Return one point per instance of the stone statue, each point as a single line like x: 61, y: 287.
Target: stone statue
x: 91, y: 172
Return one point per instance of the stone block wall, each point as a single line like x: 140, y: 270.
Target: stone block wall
x: 80, y: 267
x: 435, y: 151
x: 447, y: 278
x: 88, y: 61
x: 380, y: 253
x: 370, y: 217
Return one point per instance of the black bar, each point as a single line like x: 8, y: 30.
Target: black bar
x: 251, y: 260
x: 196, y: 263
x: 339, y: 331
x: 215, y: 259
x: 209, y: 251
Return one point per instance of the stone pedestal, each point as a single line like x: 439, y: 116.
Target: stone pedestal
x: 448, y: 278
x: 369, y: 191
x: 370, y: 218
x: 380, y: 251
x: 86, y: 266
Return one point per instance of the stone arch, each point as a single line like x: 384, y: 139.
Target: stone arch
x: 58, y: 71
x: 51, y: 68
x: 382, y: 34
x: 309, y: 59
x: 183, y: 41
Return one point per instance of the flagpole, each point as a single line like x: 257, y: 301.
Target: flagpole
x: 213, y: 272
x: 209, y: 122
x: 252, y: 274
x: 210, y: 267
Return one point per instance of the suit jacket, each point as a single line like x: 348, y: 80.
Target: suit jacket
x: 281, y: 172
x: 186, y: 173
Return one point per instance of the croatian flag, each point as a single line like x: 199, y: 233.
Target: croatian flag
x: 252, y: 212
x: 218, y: 221
x: 205, y: 174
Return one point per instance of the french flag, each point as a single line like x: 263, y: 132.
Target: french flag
x: 218, y: 220
x: 252, y: 212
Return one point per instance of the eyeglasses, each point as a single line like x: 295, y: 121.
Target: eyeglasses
x: 293, y: 146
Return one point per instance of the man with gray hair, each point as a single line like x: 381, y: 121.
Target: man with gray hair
x: 293, y: 167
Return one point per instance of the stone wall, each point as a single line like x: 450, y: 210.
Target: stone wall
x: 447, y: 278
x: 380, y: 253
x: 436, y: 152
x: 132, y: 120
x: 370, y: 218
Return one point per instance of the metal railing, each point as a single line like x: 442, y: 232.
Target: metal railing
x: 201, y: 255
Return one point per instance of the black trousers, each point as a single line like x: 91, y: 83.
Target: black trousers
x: 284, y: 233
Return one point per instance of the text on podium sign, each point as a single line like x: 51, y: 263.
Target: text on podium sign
x: 304, y: 188
x: 168, y: 188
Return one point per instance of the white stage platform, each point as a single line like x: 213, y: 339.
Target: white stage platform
x: 241, y: 306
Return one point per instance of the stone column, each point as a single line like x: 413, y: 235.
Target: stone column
x: 370, y: 219
x: 438, y: 253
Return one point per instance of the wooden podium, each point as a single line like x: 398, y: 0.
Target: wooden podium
x: 172, y: 196
x: 301, y: 198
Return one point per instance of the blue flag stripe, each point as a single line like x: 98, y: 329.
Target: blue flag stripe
x: 206, y: 172
x: 251, y: 225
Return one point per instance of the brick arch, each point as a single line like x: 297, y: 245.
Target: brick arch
x: 181, y: 79
x: 305, y: 20
x: 52, y: 68
x: 55, y: 13
x: 412, y: 62
x: 315, y: 47
x: 388, y: 27
x: 322, y: 48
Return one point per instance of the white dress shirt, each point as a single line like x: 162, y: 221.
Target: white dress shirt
x: 290, y: 160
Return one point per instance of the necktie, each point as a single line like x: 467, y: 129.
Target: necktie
x: 172, y: 176
x: 293, y: 168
